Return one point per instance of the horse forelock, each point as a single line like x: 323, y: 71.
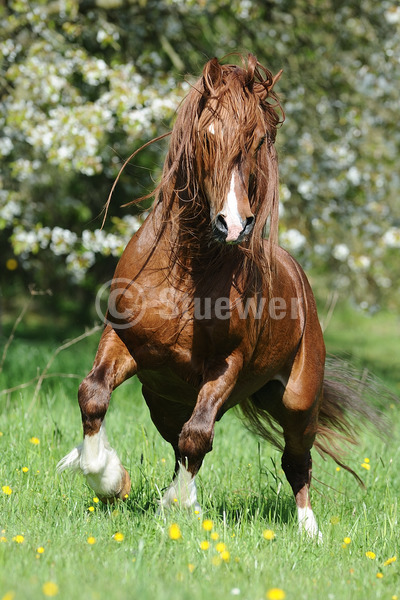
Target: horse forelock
x: 225, y: 117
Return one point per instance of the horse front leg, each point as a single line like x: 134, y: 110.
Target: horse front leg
x: 95, y: 458
x: 196, y: 436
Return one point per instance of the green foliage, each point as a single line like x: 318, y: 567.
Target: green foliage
x: 83, y: 84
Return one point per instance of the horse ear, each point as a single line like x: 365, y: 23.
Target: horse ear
x: 212, y: 75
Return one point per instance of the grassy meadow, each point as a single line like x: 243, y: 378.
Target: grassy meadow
x: 56, y: 540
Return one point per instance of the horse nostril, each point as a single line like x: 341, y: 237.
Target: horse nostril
x: 249, y: 222
x: 221, y: 224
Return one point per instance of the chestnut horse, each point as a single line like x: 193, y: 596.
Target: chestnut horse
x: 207, y: 312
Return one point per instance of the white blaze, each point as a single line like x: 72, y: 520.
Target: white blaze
x: 230, y: 212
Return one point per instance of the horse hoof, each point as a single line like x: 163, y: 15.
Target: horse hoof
x: 123, y: 492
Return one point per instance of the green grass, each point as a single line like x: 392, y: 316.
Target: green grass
x: 241, y: 488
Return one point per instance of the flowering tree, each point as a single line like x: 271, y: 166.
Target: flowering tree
x: 83, y: 84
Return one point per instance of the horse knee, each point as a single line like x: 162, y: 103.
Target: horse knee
x: 94, y: 398
x: 194, y: 443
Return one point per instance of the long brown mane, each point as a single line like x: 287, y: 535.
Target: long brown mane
x: 236, y: 101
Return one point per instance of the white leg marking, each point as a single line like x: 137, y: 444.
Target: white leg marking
x: 182, y: 492
x: 230, y: 212
x: 98, y: 462
x: 308, y: 523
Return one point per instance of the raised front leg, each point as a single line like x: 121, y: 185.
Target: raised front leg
x: 197, y: 434
x: 192, y: 439
x: 95, y: 458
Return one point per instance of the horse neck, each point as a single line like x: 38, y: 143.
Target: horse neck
x: 183, y: 233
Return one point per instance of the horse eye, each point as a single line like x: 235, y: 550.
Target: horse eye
x: 252, y: 179
x: 260, y: 143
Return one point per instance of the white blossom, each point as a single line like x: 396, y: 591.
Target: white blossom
x: 391, y: 237
x: 341, y: 252
x: 6, y: 146
x: 8, y: 208
x: 62, y: 240
x: 359, y: 263
x: 354, y: 175
x: 293, y: 240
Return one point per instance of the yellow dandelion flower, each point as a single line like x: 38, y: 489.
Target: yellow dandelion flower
x: 174, y: 532
x: 366, y: 466
x: 366, y: 460
x: 275, y: 594
x: 389, y: 561
x: 7, y: 490
x: 50, y: 589
x: 3, y: 539
x: 9, y: 596
x: 118, y: 537
x: 225, y: 556
x: 370, y: 555
x: 19, y: 539
x: 40, y: 550
x: 204, y: 545
x: 25, y: 469
x: 207, y: 525
x: 11, y: 264
x: 175, y: 500
x: 268, y: 534
x: 220, y: 547
x: 1, y: 434
x: 214, y: 536
x: 191, y: 567
x: 91, y: 540
x: 91, y: 508
x: 379, y: 575
x: 163, y: 461
x: 347, y: 540
x: 96, y: 500
x: 216, y: 561
x: 394, y: 597
x: 197, y: 512
x: 337, y: 469
x: 35, y: 441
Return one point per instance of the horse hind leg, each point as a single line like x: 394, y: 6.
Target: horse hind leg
x: 300, y: 423
x: 169, y: 419
x: 95, y: 458
x: 297, y: 414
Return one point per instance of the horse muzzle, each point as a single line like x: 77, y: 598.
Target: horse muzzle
x: 227, y: 232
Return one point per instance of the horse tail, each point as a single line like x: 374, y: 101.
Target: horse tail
x: 348, y: 405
